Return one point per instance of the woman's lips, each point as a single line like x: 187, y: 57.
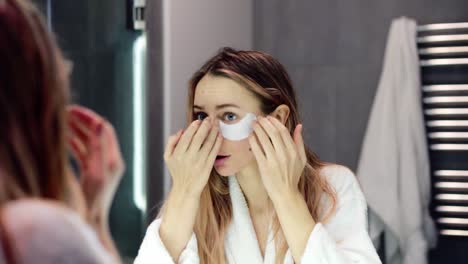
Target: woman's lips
x: 221, y: 159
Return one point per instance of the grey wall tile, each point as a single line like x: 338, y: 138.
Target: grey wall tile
x: 339, y: 45
x: 316, y: 92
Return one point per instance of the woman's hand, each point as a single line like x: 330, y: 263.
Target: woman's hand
x: 93, y: 143
x: 190, y: 156
x: 281, y: 161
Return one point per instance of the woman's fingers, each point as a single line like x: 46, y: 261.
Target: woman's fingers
x: 264, y: 141
x: 83, y: 122
x: 200, y: 136
x: 94, y: 144
x: 274, y: 133
x: 214, y: 152
x: 78, y: 128
x: 285, y: 135
x: 209, y: 142
x: 299, y: 141
x: 78, y: 150
x: 88, y: 117
x: 115, y: 156
x: 170, y: 146
x: 257, y: 150
x: 187, y: 136
x: 96, y: 155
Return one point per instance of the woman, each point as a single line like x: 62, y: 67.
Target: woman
x: 271, y: 199
x: 38, y: 191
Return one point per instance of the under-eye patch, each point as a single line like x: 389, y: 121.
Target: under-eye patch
x: 238, y: 131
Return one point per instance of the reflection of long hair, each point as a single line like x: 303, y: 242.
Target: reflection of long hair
x: 267, y: 79
x: 33, y: 97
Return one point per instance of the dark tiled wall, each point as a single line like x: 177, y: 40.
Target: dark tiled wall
x: 333, y: 50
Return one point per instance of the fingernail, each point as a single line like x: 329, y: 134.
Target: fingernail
x: 99, y: 128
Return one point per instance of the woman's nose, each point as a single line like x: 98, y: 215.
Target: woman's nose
x: 213, y: 121
x: 210, y: 120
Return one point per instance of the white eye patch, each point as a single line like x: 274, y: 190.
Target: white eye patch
x: 239, y: 130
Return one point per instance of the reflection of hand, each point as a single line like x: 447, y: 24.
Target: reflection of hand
x: 93, y: 142
x: 190, y: 156
x: 281, y: 159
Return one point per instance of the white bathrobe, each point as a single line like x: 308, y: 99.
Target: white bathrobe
x: 394, y: 164
x: 342, y: 240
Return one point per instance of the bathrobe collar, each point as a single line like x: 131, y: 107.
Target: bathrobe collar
x: 241, y: 243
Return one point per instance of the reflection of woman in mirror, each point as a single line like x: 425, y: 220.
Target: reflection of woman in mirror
x: 231, y: 196
x: 46, y: 214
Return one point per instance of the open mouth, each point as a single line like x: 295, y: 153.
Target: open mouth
x: 221, y: 160
x: 219, y: 157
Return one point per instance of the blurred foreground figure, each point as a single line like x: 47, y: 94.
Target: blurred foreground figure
x: 46, y: 214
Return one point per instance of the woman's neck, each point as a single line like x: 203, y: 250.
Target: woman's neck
x: 254, y: 191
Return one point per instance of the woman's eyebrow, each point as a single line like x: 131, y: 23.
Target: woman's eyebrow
x: 218, y: 106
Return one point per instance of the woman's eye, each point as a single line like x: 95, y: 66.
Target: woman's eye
x: 227, y: 116
x: 199, y: 115
x: 230, y: 116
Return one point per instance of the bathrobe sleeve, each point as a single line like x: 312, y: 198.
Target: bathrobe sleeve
x: 344, y: 239
x: 152, y: 249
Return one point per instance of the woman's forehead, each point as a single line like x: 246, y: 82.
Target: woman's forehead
x: 215, y: 90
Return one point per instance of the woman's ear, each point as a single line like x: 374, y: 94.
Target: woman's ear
x: 281, y: 113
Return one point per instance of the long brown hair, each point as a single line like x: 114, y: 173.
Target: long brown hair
x: 270, y: 83
x: 33, y: 97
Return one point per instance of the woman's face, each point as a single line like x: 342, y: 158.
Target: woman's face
x: 211, y: 93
